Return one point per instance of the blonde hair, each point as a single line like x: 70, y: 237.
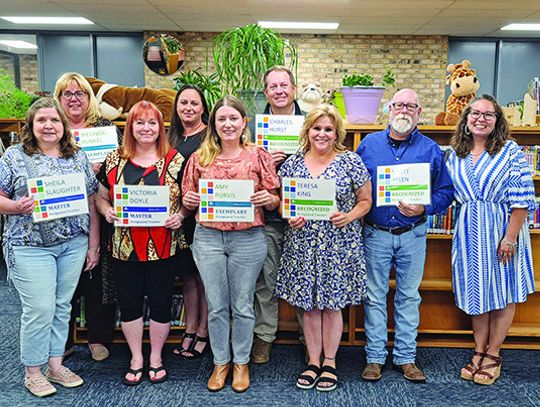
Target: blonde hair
x: 331, y: 112
x: 211, y: 143
x: 93, y: 113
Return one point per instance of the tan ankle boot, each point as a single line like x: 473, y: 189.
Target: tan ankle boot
x: 240, y: 381
x: 218, y: 378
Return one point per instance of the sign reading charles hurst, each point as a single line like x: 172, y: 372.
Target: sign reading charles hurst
x: 226, y: 200
x: 58, y: 197
x: 410, y: 183
x: 96, y: 142
x: 278, y: 132
x: 141, y: 205
x: 312, y: 199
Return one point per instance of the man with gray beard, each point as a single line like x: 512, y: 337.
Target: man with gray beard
x: 395, y: 237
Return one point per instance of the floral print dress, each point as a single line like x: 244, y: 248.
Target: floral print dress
x: 322, y: 266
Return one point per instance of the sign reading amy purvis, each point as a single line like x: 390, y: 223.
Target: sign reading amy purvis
x: 226, y: 200
x: 141, y: 205
x: 278, y: 132
x: 410, y: 183
x: 58, y: 197
x: 309, y: 198
x: 96, y: 142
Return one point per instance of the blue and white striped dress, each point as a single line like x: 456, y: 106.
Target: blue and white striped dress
x: 487, y: 191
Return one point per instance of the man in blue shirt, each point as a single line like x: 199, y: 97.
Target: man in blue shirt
x: 395, y: 236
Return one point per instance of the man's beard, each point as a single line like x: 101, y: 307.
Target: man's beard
x: 402, y: 124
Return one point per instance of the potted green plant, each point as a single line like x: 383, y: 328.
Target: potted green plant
x: 209, y: 84
x: 174, y: 53
x: 14, y: 102
x: 361, y: 97
x: 243, y: 54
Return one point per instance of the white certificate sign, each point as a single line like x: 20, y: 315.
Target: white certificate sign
x: 141, y: 205
x: 226, y: 200
x: 58, y: 196
x: 278, y: 132
x: 311, y: 199
x: 410, y: 183
x: 96, y: 142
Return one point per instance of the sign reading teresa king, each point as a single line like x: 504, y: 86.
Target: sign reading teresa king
x: 410, y: 183
x: 313, y: 199
x: 58, y: 197
x: 226, y: 200
x: 141, y: 205
x: 96, y: 142
x: 278, y: 132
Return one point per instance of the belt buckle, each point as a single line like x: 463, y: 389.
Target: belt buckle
x: 395, y: 230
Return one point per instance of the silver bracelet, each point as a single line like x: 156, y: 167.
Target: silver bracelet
x: 512, y: 245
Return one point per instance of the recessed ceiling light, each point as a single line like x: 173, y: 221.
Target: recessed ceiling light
x: 298, y: 25
x: 18, y: 44
x: 48, y: 20
x: 521, y: 27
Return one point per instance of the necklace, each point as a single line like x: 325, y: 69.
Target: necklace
x: 477, y: 154
x: 197, y: 130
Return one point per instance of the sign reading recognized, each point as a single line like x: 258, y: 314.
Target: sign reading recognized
x: 309, y: 198
x: 410, y: 183
x: 58, y: 197
x: 278, y: 132
x: 96, y: 142
x: 226, y: 200
x: 141, y: 205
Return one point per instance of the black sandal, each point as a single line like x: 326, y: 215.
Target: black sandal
x: 134, y: 372
x: 312, y: 381
x: 191, y: 352
x: 180, y: 350
x: 156, y: 370
x: 323, y: 379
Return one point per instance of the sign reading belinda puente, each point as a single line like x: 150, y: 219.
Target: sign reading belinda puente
x: 410, y: 183
x: 226, y: 200
x: 58, y: 197
x: 278, y: 132
x: 313, y: 199
x: 96, y: 142
x: 141, y: 205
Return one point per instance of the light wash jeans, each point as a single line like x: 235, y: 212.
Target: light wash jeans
x: 46, y: 278
x: 407, y: 253
x: 229, y: 264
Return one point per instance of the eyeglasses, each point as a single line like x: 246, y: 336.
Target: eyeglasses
x: 68, y: 95
x: 411, y: 107
x: 488, y: 116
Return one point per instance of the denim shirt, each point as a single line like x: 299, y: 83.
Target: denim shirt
x: 377, y: 149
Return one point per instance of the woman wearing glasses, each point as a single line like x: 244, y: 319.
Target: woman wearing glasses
x: 75, y: 95
x: 491, y: 251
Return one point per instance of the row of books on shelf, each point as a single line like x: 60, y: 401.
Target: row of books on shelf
x: 177, y: 312
x: 534, y: 218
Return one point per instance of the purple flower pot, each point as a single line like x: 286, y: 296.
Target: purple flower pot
x: 362, y: 103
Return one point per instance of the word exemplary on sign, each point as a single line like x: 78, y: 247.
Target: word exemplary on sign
x: 309, y: 198
x: 96, y: 142
x: 226, y: 200
x: 410, y: 183
x: 278, y: 132
x: 141, y: 205
x: 58, y: 197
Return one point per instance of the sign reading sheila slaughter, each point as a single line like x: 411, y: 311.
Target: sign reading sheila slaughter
x: 226, y: 200
x: 141, y: 205
x: 278, y: 132
x: 313, y: 199
x: 58, y: 197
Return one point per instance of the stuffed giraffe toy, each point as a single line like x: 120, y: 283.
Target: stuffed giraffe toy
x: 463, y: 85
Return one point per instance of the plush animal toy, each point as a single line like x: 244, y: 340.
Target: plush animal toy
x: 311, y: 95
x: 115, y: 100
x: 463, y: 85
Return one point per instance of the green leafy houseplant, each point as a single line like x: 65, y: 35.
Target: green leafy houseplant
x: 357, y: 79
x: 209, y: 84
x: 14, y: 102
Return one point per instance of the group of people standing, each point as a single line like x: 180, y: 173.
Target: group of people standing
x: 234, y: 272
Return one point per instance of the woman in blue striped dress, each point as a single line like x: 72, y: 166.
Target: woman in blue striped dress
x: 491, y: 252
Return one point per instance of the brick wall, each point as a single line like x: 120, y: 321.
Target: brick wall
x: 28, y: 71
x: 419, y: 62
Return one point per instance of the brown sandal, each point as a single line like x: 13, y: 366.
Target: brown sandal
x: 471, y: 367
x: 491, y: 377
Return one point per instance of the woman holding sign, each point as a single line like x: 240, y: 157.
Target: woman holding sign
x: 144, y: 256
x: 46, y: 242
x: 75, y: 94
x: 322, y: 269
x: 237, y: 181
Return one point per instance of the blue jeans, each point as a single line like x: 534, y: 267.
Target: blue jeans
x: 407, y: 253
x: 46, y: 278
x: 229, y: 264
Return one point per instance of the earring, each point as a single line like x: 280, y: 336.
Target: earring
x: 216, y: 139
x: 467, y: 131
x: 243, y: 138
